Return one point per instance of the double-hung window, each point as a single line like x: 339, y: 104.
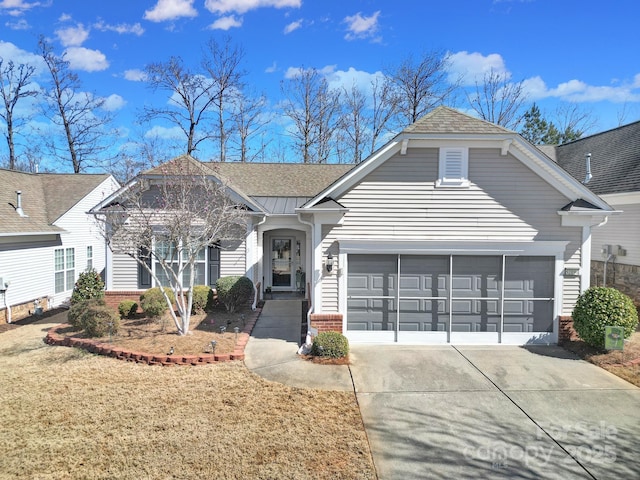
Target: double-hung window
x: 64, y: 268
x: 89, y: 257
x: 170, y: 254
x: 453, y: 167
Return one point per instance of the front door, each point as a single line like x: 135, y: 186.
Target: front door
x: 282, y: 277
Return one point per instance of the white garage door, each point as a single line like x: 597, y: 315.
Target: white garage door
x: 458, y: 299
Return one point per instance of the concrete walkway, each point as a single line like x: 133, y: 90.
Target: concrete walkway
x: 272, y: 351
x: 468, y: 411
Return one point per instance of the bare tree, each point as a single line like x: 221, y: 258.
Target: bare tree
x: 573, y: 121
x: 191, y: 99
x: 166, y: 216
x: 498, y: 100
x: 354, y: 124
x: 249, y: 123
x: 385, y: 109
x: 222, y: 63
x: 78, y: 113
x: 421, y: 84
x: 14, y: 81
x: 314, y: 109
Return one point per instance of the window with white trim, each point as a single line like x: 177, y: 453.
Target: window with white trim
x: 89, y: 257
x: 453, y: 167
x: 170, y: 253
x: 64, y: 268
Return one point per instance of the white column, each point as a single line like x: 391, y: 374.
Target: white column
x: 585, y: 258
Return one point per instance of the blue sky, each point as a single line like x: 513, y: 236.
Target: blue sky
x: 584, y: 52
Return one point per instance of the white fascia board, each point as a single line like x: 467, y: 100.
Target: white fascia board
x: 109, y: 199
x: 33, y: 234
x: 584, y: 218
x: 446, y: 248
x: 555, y: 175
x: 626, y: 198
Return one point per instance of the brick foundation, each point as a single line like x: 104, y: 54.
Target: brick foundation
x: 327, y: 322
x: 113, y: 297
x: 566, y: 332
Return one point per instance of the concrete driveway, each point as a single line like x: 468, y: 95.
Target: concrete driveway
x: 495, y: 412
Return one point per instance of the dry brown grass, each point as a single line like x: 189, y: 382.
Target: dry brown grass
x: 612, y: 360
x: 68, y: 414
x: 157, y: 336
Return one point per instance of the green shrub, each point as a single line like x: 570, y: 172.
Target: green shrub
x: 127, y: 308
x: 99, y: 320
x: 153, y: 303
x: 201, y: 298
x: 88, y: 286
x: 74, y: 317
x: 234, y: 291
x: 599, y: 307
x: 330, y: 344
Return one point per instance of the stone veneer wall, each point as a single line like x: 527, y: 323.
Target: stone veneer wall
x: 18, y: 312
x: 625, y: 278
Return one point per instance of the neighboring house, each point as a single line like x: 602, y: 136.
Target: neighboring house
x: 46, y: 236
x: 457, y: 230
x: 615, y: 170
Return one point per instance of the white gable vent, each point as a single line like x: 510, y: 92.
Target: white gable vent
x: 453, y: 167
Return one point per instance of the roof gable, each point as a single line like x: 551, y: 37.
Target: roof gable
x: 615, y: 159
x: 448, y: 120
x: 45, y: 198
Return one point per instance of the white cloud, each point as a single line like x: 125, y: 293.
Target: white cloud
x: 16, y: 8
x: 170, y: 10
x: 348, y: 78
x: 579, y: 91
x: 121, y: 28
x: 293, y: 26
x: 113, y: 102
x: 8, y: 51
x: 471, y: 67
x: 293, y: 72
x: 170, y: 133
x: 72, y: 36
x: 359, y: 27
x: 272, y: 68
x: 135, y: 75
x: 21, y: 24
x: 225, y: 23
x: 81, y: 58
x: 65, y: 17
x: 243, y: 6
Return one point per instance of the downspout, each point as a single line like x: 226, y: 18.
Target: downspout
x: 6, y: 304
x: 307, y: 342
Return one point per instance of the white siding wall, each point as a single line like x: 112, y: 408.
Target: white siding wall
x: 505, y: 202
x: 571, y: 285
x: 28, y: 266
x: 623, y: 230
x: 125, y: 272
x: 330, y: 279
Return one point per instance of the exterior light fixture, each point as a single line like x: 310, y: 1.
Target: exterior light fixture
x: 329, y: 263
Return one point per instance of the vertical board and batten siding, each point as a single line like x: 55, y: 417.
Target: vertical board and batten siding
x: 623, y: 230
x: 506, y: 202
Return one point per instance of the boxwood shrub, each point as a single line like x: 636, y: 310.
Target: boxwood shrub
x: 153, y: 303
x: 77, y: 310
x: 202, y: 298
x: 94, y: 317
x: 234, y: 291
x: 127, y: 308
x: 599, y: 307
x: 330, y: 344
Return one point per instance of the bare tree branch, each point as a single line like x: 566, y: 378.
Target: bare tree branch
x: 498, y: 100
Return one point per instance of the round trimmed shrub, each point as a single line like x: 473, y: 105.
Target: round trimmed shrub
x: 100, y: 320
x: 88, y: 286
x: 77, y: 310
x: 127, y: 308
x: 234, y: 291
x: 153, y: 303
x: 599, y: 307
x: 202, y: 297
x: 330, y: 344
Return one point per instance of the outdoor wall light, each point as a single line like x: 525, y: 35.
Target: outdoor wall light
x: 329, y: 263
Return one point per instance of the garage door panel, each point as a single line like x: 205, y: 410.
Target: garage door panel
x: 371, y: 314
x: 423, y: 315
x: 536, y: 316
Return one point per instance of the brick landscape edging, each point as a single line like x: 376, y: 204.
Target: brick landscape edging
x: 110, y: 350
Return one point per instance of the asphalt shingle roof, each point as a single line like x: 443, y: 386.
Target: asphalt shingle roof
x: 615, y: 159
x: 448, y: 120
x: 45, y: 198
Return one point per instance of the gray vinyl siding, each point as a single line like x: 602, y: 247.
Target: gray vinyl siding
x: 623, y: 230
x: 125, y: 272
x: 506, y: 202
x: 233, y: 258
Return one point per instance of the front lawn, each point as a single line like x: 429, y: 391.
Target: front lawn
x: 68, y: 414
